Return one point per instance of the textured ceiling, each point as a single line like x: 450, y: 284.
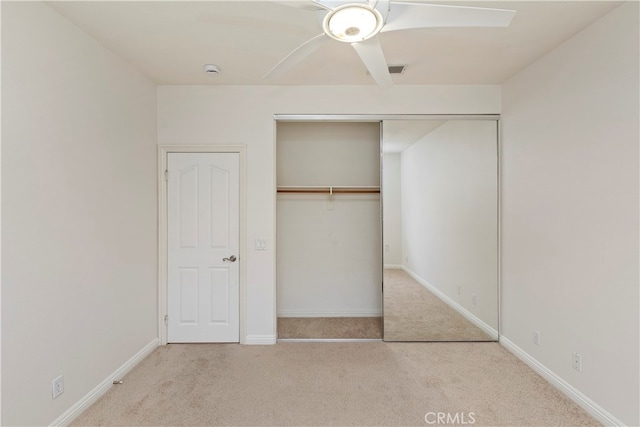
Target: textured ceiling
x: 170, y: 41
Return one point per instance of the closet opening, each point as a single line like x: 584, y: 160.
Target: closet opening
x: 328, y: 230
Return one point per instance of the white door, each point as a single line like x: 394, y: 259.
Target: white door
x: 203, y: 245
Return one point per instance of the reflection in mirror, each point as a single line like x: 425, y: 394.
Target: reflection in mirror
x: 440, y: 230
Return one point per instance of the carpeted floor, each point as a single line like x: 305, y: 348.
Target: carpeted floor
x: 330, y: 327
x: 329, y: 384
x: 413, y: 313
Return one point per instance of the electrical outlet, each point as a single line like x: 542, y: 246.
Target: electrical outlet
x: 386, y: 248
x: 536, y: 337
x: 474, y: 299
x: 57, y: 386
x: 459, y: 290
x: 576, y: 361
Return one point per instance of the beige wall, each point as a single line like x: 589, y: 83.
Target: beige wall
x: 570, y: 211
x: 329, y: 251
x: 245, y: 115
x: 450, y: 217
x: 78, y: 210
x: 392, y: 231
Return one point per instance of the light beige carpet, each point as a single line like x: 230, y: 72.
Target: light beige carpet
x: 326, y: 384
x: 330, y: 327
x: 413, y: 313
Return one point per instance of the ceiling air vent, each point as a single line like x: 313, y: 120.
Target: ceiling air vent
x: 396, y: 69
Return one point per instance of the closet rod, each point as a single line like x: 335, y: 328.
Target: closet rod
x: 329, y: 189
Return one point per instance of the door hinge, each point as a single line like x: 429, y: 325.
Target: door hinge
x: 166, y: 175
x: 166, y: 320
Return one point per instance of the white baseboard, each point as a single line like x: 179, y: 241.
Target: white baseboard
x: 259, y: 340
x: 393, y: 267
x: 359, y: 313
x: 80, y: 406
x: 453, y: 304
x: 570, y: 391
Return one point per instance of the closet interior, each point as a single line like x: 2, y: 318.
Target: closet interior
x: 329, y: 230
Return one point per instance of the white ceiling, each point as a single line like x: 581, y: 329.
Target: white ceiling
x: 170, y: 41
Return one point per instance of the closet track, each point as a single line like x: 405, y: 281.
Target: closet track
x: 329, y: 189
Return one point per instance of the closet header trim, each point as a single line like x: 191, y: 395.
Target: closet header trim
x: 380, y: 117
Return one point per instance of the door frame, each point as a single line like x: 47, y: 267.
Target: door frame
x: 163, y: 152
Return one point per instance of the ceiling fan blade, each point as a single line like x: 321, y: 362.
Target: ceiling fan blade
x: 381, y: 6
x: 419, y: 15
x: 297, y: 55
x: 332, y: 4
x: 370, y: 52
x: 307, y: 5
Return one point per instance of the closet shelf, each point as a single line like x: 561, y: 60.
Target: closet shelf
x: 337, y: 189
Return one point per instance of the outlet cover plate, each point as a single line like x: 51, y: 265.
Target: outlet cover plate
x: 57, y: 386
x: 576, y: 361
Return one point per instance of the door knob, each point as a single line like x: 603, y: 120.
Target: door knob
x: 232, y: 258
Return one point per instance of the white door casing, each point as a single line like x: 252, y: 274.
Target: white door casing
x: 202, y: 242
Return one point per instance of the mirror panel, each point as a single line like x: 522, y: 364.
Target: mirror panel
x: 440, y: 230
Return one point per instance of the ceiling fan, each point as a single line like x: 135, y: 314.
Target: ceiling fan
x: 358, y: 22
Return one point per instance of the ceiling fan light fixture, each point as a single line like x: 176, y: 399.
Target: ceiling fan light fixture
x: 352, y: 23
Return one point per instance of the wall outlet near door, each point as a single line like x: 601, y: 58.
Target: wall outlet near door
x: 459, y: 290
x: 57, y: 386
x: 474, y: 299
x: 536, y: 337
x: 576, y: 361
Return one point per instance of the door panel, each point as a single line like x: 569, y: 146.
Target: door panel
x: 188, y: 295
x: 220, y: 310
x: 203, y: 229
x: 219, y: 217
x: 188, y: 207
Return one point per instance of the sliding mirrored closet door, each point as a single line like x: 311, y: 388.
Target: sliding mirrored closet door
x: 440, y: 229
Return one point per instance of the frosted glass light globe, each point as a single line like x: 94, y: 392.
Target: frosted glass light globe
x: 352, y: 23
